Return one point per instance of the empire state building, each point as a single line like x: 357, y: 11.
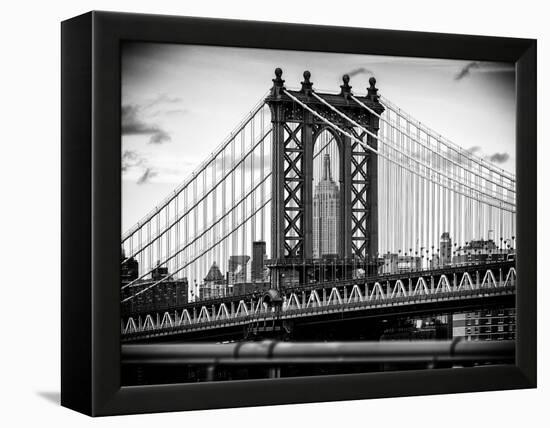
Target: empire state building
x: 326, y: 213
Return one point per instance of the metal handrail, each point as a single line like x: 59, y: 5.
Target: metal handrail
x: 277, y: 353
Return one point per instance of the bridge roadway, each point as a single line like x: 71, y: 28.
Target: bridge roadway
x: 436, y: 291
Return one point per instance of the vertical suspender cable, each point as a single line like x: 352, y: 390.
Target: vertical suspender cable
x: 244, y: 205
x: 252, y: 171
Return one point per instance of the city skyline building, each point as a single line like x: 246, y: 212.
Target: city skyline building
x: 444, y: 255
x: 214, y: 284
x: 481, y: 250
x: 326, y: 213
x: 485, y: 324
x: 395, y: 263
x: 237, y: 269
x: 168, y: 292
x: 445, y: 249
x: 130, y: 269
x: 258, y: 261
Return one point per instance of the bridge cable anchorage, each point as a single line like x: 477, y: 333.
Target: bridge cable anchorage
x: 440, y: 173
x: 202, y: 234
x: 392, y: 107
x: 202, y: 198
x: 328, y: 122
x: 148, y: 217
x: 197, y: 257
x: 441, y: 155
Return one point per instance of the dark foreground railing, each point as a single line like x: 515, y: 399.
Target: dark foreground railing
x: 274, y: 353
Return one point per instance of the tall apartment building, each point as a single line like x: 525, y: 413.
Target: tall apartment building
x: 258, y: 261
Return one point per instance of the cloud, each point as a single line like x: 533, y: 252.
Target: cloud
x: 138, y: 119
x: 359, y: 70
x: 133, y: 123
x: 500, y: 70
x: 461, y: 158
x: 136, y: 165
x: 473, y: 149
x: 465, y: 71
x: 131, y: 159
x: 499, y: 157
x: 147, y: 175
x: 160, y: 137
x: 167, y: 112
x: 161, y: 99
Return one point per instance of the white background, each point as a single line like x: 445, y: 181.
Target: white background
x: 30, y: 214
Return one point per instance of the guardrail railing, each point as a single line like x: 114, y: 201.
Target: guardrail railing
x: 276, y: 353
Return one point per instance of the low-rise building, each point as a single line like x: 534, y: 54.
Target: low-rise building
x: 250, y: 287
x: 150, y: 294
x: 129, y: 270
x: 396, y: 263
x: 170, y: 293
x: 214, y: 284
x: 497, y: 324
x: 480, y: 251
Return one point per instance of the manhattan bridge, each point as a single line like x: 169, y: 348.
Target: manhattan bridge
x: 423, y: 226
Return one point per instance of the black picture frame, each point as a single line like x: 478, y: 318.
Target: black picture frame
x: 91, y: 182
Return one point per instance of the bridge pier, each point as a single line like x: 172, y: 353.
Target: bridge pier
x: 295, y: 131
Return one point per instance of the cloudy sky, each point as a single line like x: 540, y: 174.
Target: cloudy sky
x: 180, y: 101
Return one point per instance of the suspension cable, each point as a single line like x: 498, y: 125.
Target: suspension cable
x: 268, y: 199
x: 221, y: 218
x: 393, y: 160
x: 403, y: 153
x: 428, y: 147
x: 202, y: 198
x: 390, y: 106
x: 170, y: 257
x: 148, y: 217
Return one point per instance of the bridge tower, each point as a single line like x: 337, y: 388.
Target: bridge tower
x: 295, y: 131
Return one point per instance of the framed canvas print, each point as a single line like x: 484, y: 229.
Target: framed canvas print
x: 258, y: 213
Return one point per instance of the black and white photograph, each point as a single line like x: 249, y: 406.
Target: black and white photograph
x: 296, y: 213
x: 274, y: 214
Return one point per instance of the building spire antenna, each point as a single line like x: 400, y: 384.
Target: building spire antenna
x: 326, y: 168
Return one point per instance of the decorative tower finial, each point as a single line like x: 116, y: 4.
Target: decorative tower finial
x: 307, y: 86
x: 345, y: 88
x: 373, y: 90
x: 278, y: 83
